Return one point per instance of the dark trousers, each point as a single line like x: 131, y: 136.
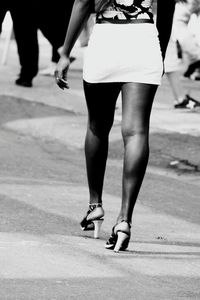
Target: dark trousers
x: 25, y: 31
x: 53, y: 22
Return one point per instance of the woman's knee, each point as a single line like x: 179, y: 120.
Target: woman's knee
x: 129, y: 133
x: 100, y: 129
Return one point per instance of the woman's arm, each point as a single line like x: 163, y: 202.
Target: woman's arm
x: 80, y: 14
x: 165, y: 11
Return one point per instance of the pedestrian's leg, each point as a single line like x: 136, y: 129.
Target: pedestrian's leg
x: 25, y: 30
x: 101, y: 99
x: 53, y: 22
x: 176, y: 86
x: 137, y: 102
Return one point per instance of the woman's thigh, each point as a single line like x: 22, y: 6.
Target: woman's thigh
x: 101, y: 101
x: 137, y: 100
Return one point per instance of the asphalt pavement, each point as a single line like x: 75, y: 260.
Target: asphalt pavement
x: 163, y: 261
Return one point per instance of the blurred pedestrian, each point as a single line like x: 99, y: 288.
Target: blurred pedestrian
x: 186, y: 38
x: 25, y: 32
x: 174, y: 66
x: 123, y: 55
x: 27, y: 18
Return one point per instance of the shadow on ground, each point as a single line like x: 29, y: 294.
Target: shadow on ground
x: 176, y: 151
x: 13, y: 108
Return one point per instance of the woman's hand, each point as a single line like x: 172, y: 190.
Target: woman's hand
x: 61, y: 72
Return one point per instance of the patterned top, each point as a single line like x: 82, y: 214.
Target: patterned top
x: 127, y: 10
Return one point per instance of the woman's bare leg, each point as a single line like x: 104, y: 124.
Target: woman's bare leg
x: 101, y: 100
x: 137, y: 102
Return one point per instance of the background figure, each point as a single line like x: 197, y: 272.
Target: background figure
x: 27, y: 18
x: 186, y: 38
x: 53, y: 22
x: 25, y: 30
x: 174, y: 66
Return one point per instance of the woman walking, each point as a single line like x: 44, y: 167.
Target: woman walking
x: 124, y: 55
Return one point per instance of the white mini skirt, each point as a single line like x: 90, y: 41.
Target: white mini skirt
x: 123, y: 53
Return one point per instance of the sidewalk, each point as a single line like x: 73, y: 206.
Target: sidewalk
x: 164, y: 117
x: 165, y: 120
x: 57, y: 261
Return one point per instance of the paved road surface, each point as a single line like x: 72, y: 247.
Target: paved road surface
x: 43, y: 253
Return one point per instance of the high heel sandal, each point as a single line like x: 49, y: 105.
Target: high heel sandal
x: 120, y: 237
x: 93, y: 219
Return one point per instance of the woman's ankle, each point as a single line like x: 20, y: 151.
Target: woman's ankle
x: 122, y: 218
x: 95, y: 203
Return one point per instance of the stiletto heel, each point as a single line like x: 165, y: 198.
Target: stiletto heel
x: 121, y: 238
x: 97, y: 227
x: 93, y: 219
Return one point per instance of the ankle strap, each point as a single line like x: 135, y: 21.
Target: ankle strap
x: 94, y: 205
